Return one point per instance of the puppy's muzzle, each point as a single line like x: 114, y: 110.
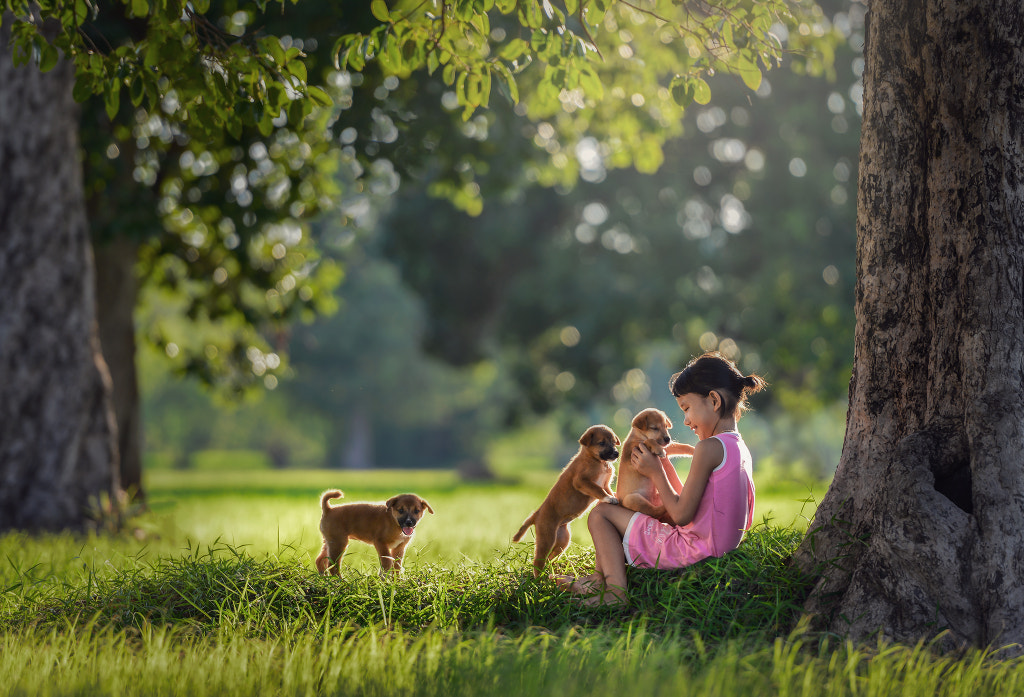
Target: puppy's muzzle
x: 408, y: 523
x: 609, y: 454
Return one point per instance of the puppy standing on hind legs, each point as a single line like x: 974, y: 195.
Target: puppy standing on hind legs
x: 587, y: 477
x: 388, y: 526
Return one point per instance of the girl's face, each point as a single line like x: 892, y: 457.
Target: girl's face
x: 701, y: 412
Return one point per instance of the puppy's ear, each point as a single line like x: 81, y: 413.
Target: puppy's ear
x: 617, y: 441
x: 427, y: 505
x: 390, y: 503
x: 587, y: 438
x: 668, y: 422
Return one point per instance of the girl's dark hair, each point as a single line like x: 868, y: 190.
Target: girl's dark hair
x: 713, y: 372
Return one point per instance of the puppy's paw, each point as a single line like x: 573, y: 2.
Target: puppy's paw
x: 610, y: 499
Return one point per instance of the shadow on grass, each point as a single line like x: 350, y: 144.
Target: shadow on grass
x: 751, y: 591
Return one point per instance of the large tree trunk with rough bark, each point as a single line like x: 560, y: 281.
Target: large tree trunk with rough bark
x: 922, y: 529
x: 58, y: 457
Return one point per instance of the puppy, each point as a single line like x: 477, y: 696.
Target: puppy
x: 387, y: 526
x: 635, y: 491
x: 586, y: 477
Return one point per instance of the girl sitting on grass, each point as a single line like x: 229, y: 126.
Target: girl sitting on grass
x: 711, y: 511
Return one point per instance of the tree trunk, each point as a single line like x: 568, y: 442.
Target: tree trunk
x: 117, y: 291
x: 922, y: 529
x: 357, y: 451
x: 57, y: 450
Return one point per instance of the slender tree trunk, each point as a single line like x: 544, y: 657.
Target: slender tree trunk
x: 358, y: 446
x: 117, y: 292
x: 58, y: 456
x: 922, y: 529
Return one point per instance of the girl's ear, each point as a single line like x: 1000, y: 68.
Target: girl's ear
x: 716, y: 400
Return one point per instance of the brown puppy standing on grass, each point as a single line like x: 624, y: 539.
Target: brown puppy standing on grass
x: 387, y: 526
x: 635, y: 491
x: 587, y: 477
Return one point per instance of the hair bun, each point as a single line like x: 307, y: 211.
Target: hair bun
x: 753, y: 383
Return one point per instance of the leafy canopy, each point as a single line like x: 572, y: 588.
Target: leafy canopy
x: 216, y: 74
x: 227, y: 81
x: 477, y: 43
x: 623, y: 70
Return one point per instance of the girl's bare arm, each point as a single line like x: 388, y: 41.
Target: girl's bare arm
x: 682, y: 506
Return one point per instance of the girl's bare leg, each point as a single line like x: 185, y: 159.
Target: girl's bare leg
x: 607, y: 524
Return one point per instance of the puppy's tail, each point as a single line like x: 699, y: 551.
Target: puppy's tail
x: 327, y: 496
x: 526, y: 526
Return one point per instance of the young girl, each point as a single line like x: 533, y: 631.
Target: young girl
x: 711, y: 511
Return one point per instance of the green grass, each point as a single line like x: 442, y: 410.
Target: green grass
x: 213, y: 592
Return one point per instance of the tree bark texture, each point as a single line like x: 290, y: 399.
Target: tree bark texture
x: 922, y: 529
x: 57, y: 451
x: 117, y: 292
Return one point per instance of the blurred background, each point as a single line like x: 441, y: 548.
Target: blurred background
x: 420, y: 290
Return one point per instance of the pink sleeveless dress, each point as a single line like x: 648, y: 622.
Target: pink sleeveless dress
x: 725, y: 513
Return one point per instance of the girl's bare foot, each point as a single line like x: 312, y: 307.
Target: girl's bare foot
x: 610, y: 596
x: 585, y: 585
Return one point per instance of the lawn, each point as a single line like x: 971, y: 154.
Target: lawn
x: 212, y: 591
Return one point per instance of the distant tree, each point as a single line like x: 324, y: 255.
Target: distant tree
x: 566, y: 287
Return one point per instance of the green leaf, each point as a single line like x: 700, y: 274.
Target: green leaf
x: 152, y: 57
x: 298, y: 69
x: 140, y: 8
x: 448, y: 74
x: 137, y: 90
x: 701, y: 91
x: 682, y: 91
x: 81, y: 12
x: 298, y: 110
x: 265, y: 124
x: 83, y: 87
x: 318, y: 96
x: 355, y: 59
x: 591, y: 83
x: 379, y: 8
x: 112, y: 99
x: 752, y: 78
x: 277, y: 97
x: 485, y: 88
x: 271, y: 46
x: 749, y: 72
x: 513, y: 49
x: 508, y: 81
x: 48, y: 56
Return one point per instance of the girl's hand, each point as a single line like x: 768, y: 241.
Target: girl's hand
x: 646, y: 462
